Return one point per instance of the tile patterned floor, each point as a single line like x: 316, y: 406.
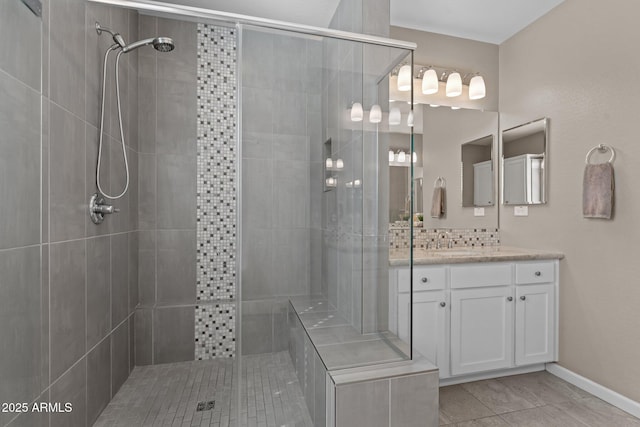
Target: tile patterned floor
x: 538, y: 399
x: 167, y: 395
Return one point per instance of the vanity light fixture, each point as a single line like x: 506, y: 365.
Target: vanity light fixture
x: 477, y: 89
x: 339, y: 164
x: 404, y: 78
x: 430, y: 82
x: 394, y: 116
x: 454, y: 85
x: 410, y: 119
x: 356, y: 112
x: 392, y: 156
x: 402, y: 157
x: 414, y: 157
x: 375, y: 115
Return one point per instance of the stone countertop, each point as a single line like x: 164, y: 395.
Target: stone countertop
x: 400, y: 257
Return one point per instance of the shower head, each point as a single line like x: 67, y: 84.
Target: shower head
x: 161, y: 44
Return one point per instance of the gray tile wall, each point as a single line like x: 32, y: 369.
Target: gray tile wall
x: 166, y: 266
x: 281, y: 121
x: 67, y: 286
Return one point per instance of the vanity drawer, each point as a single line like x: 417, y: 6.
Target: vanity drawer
x: 535, y: 272
x: 482, y: 274
x: 424, y: 279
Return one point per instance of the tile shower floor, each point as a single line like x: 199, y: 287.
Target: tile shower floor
x: 538, y: 399
x: 168, y: 395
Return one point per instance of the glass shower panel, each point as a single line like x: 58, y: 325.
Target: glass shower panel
x: 314, y: 266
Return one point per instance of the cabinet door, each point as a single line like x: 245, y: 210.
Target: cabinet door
x: 429, y: 326
x: 514, y: 181
x: 535, y: 324
x: 481, y: 329
x: 483, y: 183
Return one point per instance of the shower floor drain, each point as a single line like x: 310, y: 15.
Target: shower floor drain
x: 205, y: 406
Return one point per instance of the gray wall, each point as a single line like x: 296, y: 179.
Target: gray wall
x: 281, y: 181
x: 165, y: 320
x: 68, y: 287
x: 578, y: 76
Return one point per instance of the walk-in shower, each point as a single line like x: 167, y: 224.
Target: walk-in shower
x: 161, y: 44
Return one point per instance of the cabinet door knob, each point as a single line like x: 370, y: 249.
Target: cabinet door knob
x: 424, y: 280
x: 509, y: 298
x: 537, y: 273
x: 443, y: 304
x: 523, y: 297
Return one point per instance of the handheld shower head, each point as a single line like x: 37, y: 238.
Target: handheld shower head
x: 161, y: 44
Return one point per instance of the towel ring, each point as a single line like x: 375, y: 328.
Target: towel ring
x: 439, y: 182
x: 601, y: 148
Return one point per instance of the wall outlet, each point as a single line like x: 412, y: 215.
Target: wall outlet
x: 478, y: 211
x: 521, y: 211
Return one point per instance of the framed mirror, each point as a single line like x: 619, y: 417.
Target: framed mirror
x: 524, y: 159
x: 478, y: 172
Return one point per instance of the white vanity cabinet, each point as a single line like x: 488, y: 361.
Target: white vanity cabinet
x: 481, y: 329
x: 478, y: 318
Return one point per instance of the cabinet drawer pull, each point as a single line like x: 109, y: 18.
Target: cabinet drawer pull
x: 509, y: 298
x: 443, y: 304
x: 523, y: 297
x: 424, y: 280
x: 537, y: 273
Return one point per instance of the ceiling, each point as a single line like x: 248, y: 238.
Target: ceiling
x: 491, y: 21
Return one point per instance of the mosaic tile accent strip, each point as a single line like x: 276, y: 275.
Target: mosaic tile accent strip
x: 216, y: 187
x: 426, y: 238
x: 215, y: 331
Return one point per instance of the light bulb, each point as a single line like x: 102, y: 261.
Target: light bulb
x: 339, y: 164
x: 392, y: 156
x: 357, y: 183
x: 328, y: 163
x: 454, y: 84
x: 402, y: 157
x: 415, y: 157
x: 477, y: 89
x: 404, y: 78
x: 430, y: 82
x: 455, y: 108
x: 410, y: 119
x: 394, y: 116
x: 356, y: 112
x: 375, y: 115
x: 434, y: 105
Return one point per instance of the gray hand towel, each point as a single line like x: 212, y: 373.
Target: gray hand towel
x: 438, y: 202
x: 598, y: 191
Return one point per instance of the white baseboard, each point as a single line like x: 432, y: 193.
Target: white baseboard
x: 608, y: 395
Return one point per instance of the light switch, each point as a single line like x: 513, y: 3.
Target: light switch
x: 521, y: 211
x: 478, y: 211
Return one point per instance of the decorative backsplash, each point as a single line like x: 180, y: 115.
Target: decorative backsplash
x: 427, y: 238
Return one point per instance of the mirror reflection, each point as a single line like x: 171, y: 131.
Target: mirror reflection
x: 400, y: 159
x: 477, y: 172
x: 523, y: 164
x: 446, y: 133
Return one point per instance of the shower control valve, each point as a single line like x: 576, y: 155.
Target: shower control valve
x: 98, y: 208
